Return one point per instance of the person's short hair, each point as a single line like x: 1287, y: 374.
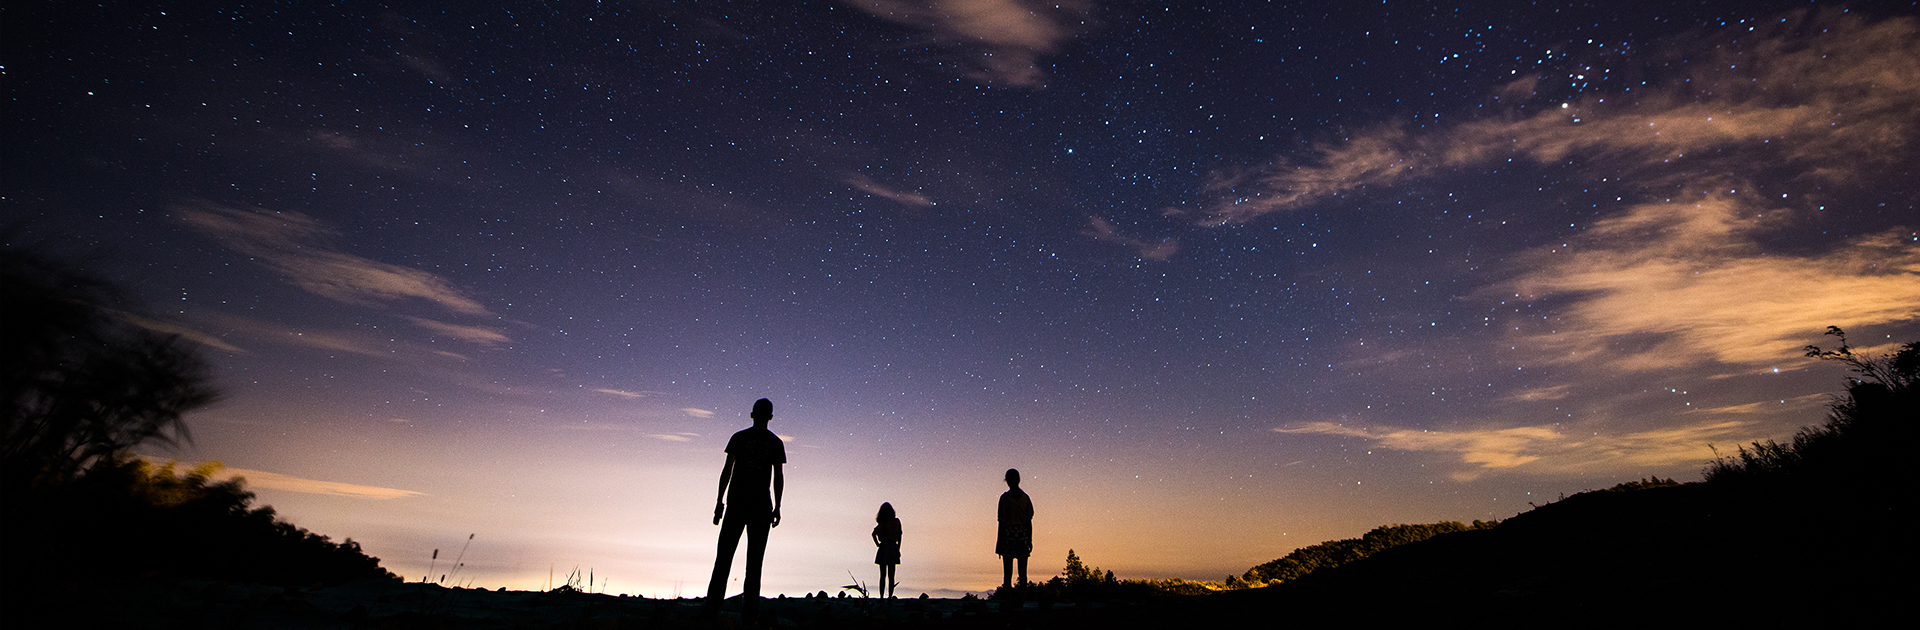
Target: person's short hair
x: 1013, y: 476
x: 762, y: 409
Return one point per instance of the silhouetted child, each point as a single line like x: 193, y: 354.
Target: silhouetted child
x: 887, y: 536
x: 1016, y: 530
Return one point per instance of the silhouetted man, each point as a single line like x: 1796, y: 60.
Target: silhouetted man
x: 1016, y: 530
x: 754, y: 457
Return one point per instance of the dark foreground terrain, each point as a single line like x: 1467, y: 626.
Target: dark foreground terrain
x: 1688, y: 555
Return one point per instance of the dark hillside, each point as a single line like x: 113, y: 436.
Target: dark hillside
x: 1662, y: 556
x: 1794, y: 534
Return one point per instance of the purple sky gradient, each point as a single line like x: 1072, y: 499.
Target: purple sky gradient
x: 1220, y: 282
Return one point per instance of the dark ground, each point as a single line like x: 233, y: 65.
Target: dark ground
x: 1692, y: 555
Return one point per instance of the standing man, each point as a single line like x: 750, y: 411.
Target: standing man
x: 1016, y: 530
x: 754, y: 458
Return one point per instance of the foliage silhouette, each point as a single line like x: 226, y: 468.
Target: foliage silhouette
x: 126, y: 518
x: 1334, y: 553
x: 1079, y: 581
x: 1861, y: 439
x: 79, y: 383
x: 1653, y: 481
x: 1077, y: 572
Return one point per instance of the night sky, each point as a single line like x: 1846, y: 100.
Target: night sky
x: 1221, y: 280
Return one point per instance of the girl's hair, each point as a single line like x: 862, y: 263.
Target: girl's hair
x: 886, y: 512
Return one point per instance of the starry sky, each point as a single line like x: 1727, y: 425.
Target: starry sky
x: 1222, y: 279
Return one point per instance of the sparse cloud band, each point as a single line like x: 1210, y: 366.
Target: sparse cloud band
x: 1546, y: 450
x: 1003, y: 39
x: 1827, y: 91
x: 296, y: 245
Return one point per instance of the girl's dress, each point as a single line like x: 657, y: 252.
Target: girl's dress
x: 888, y: 532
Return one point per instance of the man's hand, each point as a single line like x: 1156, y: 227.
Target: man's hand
x: 719, y: 508
x: 776, y: 517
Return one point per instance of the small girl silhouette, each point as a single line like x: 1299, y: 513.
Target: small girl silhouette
x: 887, y: 536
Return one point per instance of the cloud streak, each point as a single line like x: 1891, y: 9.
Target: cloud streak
x: 1825, y: 91
x: 1684, y: 278
x: 1546, y: 450
x: 296, y: 245
x: 1671, y: 284
x: 904, y: 197
x: 184, y: 332
x: 1104, y: 231
x: 622, y: 393
x: 473, y: 334
x: 1003, y: 39
x: 277, y: 481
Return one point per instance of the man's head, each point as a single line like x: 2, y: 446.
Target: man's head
x: 1013, y: 477
x: 762, y: 410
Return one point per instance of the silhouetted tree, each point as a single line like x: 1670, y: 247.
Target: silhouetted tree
x: 79, y: 383
x: 1898, y: 371
x: 1862, y: 440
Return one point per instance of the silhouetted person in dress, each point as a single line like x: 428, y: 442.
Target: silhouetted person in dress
x: 1016, y: 530
x: 887, y: 536
x: 754, y: 458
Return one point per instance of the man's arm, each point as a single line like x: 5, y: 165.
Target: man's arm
x: 779, y: 486
x: 719, y: 501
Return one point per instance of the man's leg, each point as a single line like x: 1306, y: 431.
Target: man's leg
x: 1023, y: 569
x: 1006, y: 571
x: 723, y: 561
x: 756, y: 555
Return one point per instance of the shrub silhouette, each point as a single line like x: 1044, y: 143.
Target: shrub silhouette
x: 1863, y: 435
x: 81, y: 385
x: 1334, y: 553
x: 1653, y: 481
x: 1079, y: 581
x: 135, y: 517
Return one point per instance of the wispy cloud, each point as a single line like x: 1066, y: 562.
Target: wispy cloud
x: 697, y: 413
x: 277, y: 481
x: 1673, y: 280
x: 622, y: 393
x: 906, y: 197
x: 369, y: 341
x: 1103, y: 230
x: 1825, y: 92
x: 1672, y: 284
x: 1547, y: 450
x: 350, y: 342
x: 1768, y: 406
x: 1552, y: 392
x: 297, y: 246
x: 474, y: 334
x: 674, y: 437
x: 1496, y: 448
x: 183, y: 331
x: 1003, y: 39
